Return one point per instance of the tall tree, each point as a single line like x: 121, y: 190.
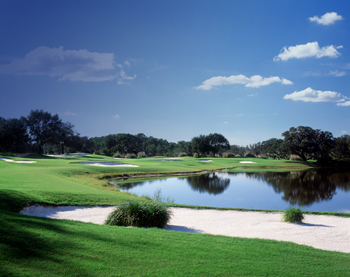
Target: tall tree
x: 13, y: 134
x: 217, y: 143
x: 45, y: 128
x: 308, y: 143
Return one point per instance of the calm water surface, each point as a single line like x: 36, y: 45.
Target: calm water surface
x: 312, y: 190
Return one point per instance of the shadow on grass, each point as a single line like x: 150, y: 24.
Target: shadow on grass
x: 33, y: 244
x: 14, y: 201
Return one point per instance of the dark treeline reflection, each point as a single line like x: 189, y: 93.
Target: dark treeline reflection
x: 305, y: 187
x: 210, y: 183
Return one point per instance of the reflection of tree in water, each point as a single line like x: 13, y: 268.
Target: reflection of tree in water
x: 210, y: 183
x: 305, y: 187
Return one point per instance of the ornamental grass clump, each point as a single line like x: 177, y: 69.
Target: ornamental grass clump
x: 140, y: 214
x: 293, y: 215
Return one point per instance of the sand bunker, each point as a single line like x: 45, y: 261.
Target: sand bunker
x: 17, y: 162
x: 205, y: 161
x: 319, y: 231
x: 247, y: 162
x: 109, y: 164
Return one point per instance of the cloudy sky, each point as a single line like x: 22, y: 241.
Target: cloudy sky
x: 247, y: 69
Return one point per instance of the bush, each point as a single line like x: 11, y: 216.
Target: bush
x: 117, y: 155
x: 249, y: 155
x: 141, y: 155
x: 227, y: 155
x: 140, y: 214
x: 130, y: 156
x: 183, y: 154
x: 195, y: 155
x: 293, y: 215
x: 294, y: 158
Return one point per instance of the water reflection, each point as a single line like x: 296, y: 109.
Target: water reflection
x: 208, y: 183
x: 268, y: 190
x: 306, y: 187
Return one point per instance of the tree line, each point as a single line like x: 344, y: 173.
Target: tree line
x: 42, y: 132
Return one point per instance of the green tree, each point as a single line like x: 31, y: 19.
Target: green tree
x: 308, y: 143
x: 13, y: 134
x: 127, y: 143
x: 342, y: 147
x: 217, y: 143
x: 45, y: 128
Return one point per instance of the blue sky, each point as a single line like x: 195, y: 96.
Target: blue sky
x: 249, y: 70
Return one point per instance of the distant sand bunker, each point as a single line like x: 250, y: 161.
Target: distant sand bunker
x: 109, y: 164
x: 247, y: 162
x: 17, y: 162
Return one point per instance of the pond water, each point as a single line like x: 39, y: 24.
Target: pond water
x: 311, y: 190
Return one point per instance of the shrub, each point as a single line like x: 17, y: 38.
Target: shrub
x: 293, y: 215
x: 117, y: 155
x: 141, y: 155
x: 140, y: 214
x: 130, y: 156
x: 195, y: 155
x: 294, y: 158
x: 183, y: 154
x: 227, y: 155
x: 217, y: 156
x: 249, y: 155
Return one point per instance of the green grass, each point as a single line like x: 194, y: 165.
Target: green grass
x: 31, y: 246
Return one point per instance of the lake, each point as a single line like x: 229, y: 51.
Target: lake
x: 314, y: 190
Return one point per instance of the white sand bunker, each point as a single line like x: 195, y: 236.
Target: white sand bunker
x: 17, y: 162
x: 109, y: 164
x: 319, y: 231
x: 247, y: 162
x: 205, y: 161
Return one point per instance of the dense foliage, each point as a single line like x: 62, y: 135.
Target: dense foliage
x: 42, y: 132
x: 140, y: 214
x: 293, y: 215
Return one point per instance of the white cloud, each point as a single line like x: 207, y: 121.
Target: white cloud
x: 326, y: 19
x: 310, y: 49
x: 337, y: 73
x: 344, y: 104
x: 311, y: 95
x: 72, y: 65
x: 116, y: 116
x: 123, y: 78
x: 127, y: 63
x: 254, y: 81
x: 68, y: 113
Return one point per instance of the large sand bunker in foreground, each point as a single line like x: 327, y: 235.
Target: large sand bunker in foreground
x: 319, y: 231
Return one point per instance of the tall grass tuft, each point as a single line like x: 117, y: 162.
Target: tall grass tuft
x: 293, y: 215
x: 140, y: 214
